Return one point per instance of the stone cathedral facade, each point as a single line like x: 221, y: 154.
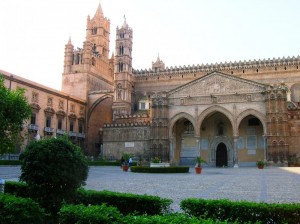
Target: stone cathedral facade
x: 231, y: 113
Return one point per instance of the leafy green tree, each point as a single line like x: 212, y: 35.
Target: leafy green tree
x: 53, y: 169
x: 14, y: 109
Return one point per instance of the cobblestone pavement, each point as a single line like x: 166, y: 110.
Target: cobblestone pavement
x: 270, y: 185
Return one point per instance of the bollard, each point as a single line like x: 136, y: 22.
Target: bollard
x: 2, y: 184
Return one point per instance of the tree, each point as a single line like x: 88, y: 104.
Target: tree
x: 53, y: 169
x: 14, y: 109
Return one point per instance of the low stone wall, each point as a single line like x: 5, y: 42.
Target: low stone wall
x: 159, y: 164
x: 132, y: 140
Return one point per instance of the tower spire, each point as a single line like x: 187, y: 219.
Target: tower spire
x: 99, y: 11
x: 69, y: 41
x: 125, y: 25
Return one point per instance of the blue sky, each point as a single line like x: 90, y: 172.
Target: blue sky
x: 34, y: 32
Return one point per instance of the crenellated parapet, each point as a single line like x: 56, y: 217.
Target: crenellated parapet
x: 226, y: 66
x: 131, y: 120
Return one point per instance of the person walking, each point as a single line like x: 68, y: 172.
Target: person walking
x: 130, y: 161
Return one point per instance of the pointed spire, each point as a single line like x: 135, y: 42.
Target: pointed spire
x: 99, y: 11
x: 125, y: 25
x: 69, y: 41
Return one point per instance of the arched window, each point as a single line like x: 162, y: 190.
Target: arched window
x: 121, y: 66
x: 121, y: 50
x: 220, y: 129
x: 94, y: 30
x: 119, y: 91
x: 295, y: 93
x: 77, y: 59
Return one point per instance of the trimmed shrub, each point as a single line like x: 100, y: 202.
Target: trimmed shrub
x: 125, y: 202
x: 91, y: 214
x: 104, y: 214
x: 176, y: 218
x: 10, y: 162
x: 18, y: 189
x: 171, y: 169
x: 17, y: 210
x: 53, y: 168
x: 242, y: 211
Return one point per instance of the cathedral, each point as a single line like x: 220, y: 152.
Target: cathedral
x: 231, y: 114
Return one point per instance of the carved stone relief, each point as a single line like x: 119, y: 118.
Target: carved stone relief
x: 216, y: 83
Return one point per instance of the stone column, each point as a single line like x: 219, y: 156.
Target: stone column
x: 198, y: 145
x: 171, y: 149
x: 265, y: 148
x: 235, y: 154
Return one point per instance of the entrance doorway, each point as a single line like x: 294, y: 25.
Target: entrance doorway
x: 221, y: 155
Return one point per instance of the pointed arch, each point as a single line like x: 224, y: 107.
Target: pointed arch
x: 178, y: 116
x: 213, y: 109
x: 255, y: 113
x: 93, y: 106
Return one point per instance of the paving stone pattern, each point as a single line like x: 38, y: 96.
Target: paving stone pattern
x: 271, y: 185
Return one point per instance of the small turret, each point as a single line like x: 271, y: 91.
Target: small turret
x: 159, y: 65
x: 68, y: 56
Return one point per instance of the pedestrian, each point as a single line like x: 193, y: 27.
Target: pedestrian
x: 130, y: 161
x: 122, y: 161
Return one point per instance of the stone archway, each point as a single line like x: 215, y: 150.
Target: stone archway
x: 214, y: 109
x: 251, y: 143
x: 183, y: 144
x: 224, y: 142
x: 100, y: 112
x: 216, y: 128
x: 254, y: 113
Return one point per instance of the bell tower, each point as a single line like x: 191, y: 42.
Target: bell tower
x: 123, y: 82
x: 89, y: 68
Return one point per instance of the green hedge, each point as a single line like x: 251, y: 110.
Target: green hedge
x: 242, y: 211
x: 20, y: 210
x: 104, y: 163
x: 10, y: 162
x: 90, y: 163
x: 176, y: 218
x: 171, y: 169
x: 109, y: 215
x: 89, y: 214
x: 16, y: 188
x: 125, y: 202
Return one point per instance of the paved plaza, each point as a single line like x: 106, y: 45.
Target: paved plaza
x: 270, y: 185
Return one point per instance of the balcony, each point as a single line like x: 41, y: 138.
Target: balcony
x: 60, y: 132
x: 33, y: 127
x: 72, y: 134
x: 80, y: 135
x: 48, y: 130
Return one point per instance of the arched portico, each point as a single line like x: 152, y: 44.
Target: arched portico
x: 213, y: 109
x: 183, y: 143
x: 251, y: 138
x: 216, y: 130
x: 178, y: 116
x: 254, y: 113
